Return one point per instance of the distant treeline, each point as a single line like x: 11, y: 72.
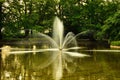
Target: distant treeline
x: 19, y: 17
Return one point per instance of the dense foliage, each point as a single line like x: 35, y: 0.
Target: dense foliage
x: 18, y: 18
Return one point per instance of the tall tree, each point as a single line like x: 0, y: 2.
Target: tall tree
x: 109, y: 20
x: 111, y: 29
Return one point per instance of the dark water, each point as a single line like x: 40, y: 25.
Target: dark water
x: 99, y: 66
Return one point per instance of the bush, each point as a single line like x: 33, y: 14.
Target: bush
x: 115, y: 43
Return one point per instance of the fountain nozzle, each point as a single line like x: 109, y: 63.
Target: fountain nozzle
x: 60, y: 49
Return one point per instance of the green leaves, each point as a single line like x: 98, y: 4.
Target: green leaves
x: 76, y: 15
x: 111, y: 27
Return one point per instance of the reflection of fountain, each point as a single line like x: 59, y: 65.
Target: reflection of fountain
x: 5, y: 52
x: 62, y: 48
x: 69, y: 42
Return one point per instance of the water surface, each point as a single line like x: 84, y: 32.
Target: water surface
x: 100, y: 66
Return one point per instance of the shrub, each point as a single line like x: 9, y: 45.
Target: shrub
x: 115, y: 43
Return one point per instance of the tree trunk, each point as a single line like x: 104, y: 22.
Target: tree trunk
x: 26, y: 33
x: 28, y: 14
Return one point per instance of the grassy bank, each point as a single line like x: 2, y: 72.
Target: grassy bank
x: 115, y: 43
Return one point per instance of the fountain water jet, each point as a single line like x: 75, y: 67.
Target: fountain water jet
x: 60, y: 48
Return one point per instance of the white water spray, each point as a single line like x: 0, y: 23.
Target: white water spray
x: 60, y: 48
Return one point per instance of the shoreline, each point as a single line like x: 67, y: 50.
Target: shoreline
x: 116, y: 47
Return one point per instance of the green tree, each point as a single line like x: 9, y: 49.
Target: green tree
x: 71, y: 14
x: 111, y: 9
x: 11, y: 18
x: 111, y: 29
x: 77, y: 15
x: 27, y: 15
x: 87, y: 15
x: 82, y: 15
x: 46, y: 11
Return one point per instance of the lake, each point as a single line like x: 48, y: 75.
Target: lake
x: 99, y: 66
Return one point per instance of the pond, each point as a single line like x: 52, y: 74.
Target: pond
x: 99, y: 66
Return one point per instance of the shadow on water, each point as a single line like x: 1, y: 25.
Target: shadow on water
x: 100, y: 66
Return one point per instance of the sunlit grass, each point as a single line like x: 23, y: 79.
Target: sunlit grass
x: 115, y: 43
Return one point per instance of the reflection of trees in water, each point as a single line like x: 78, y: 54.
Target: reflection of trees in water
x: 22, y: 65
x: 99, y: 66
x: 102, y: 67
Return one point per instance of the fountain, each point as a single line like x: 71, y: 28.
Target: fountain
x: 61, y: 49
x: 58, y: 52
